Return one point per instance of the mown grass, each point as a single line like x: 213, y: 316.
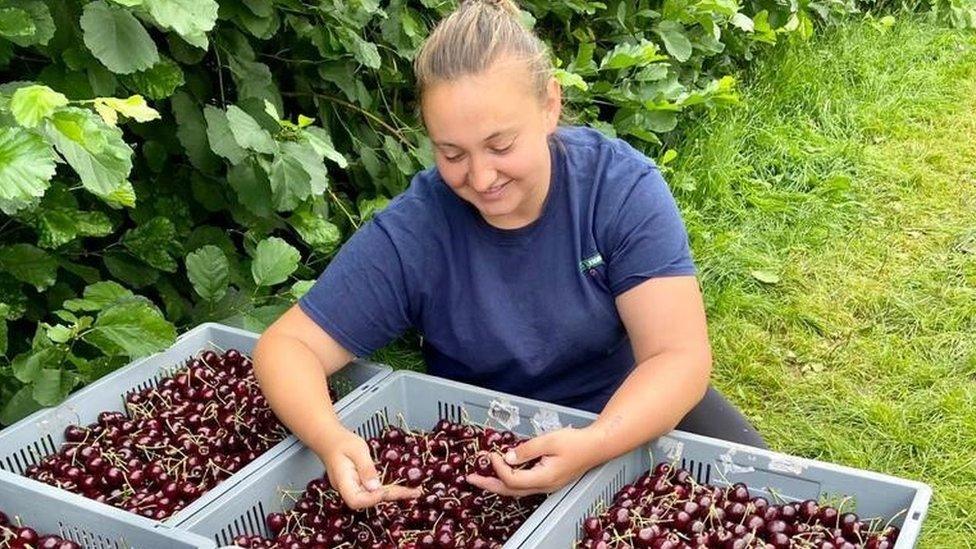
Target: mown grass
x: 848, y: 178
x: 833, y: 218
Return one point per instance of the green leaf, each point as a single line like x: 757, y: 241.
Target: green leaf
x: 253, y: 80
x: 742, y: 21
x: 153, y: 242
x: 220, y: 136
x: 766, y: 277
x: 297, y: 172
x: 135, y: 327
x: 27, y: 164
x: 248, y: 133
x: 15, y: 22
x: 95, y: 150
x: 290, y: 183
x: 191, y: 130
x: 158, y: 81
x: 27, y: 366
x: 251, y: 184
x: 133, y: 107
x: 130, y: 270
x: 32, y: 104
x: 97, y: 296
x: 53, y: 386
x: 191, y: 19
x: 368, y: 207
x: 41, y: 23
x: 301, y: 288
x: 315, y: 230
x: 257, y: 319
x: 117, y: 39
x: 320, y: 139
x: 21, y: 405
x: 675, y: 39
x: 623, y: 56
x: 56, y: 226
x: 274, y: 261
x: 365, y: 52
x: 570, y: 79
x: 207, y: 269
x: 59, y: 333
x: 29, y: 264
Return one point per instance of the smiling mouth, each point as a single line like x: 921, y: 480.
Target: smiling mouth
x: 496, y: 190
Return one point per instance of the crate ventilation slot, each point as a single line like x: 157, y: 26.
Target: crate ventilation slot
x: 450, y: 412
x: 701, y: 472
x: 251, y: 522
x: 374, y: 425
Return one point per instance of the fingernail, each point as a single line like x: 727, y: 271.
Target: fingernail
x: 373, y: 484
x: 510, y: 457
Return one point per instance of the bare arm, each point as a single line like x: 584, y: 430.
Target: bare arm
x: 292, y: 362
x: 665, y: 320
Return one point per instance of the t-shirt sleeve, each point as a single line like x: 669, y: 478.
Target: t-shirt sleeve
x: 361, y: 298
x: 647, y: 236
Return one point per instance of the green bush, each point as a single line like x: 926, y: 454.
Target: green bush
x: 169, y: 162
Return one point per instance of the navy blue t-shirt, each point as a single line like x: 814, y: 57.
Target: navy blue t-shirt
x: 528, y: 311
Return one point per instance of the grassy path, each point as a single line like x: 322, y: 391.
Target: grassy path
x: 833, y: 216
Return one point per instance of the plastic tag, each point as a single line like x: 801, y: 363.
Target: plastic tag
x: 54, y: 424
x: 545, y: 421
x: 504, y: 413
x: 672, y: 448
x: 787, y: 464
x: 729, y: 466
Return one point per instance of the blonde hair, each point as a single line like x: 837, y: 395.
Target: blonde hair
x: 473, y: 37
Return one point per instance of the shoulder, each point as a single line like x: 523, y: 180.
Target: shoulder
x: 418, y: 217
x: 584, y: 146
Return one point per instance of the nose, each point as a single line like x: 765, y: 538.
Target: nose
x: 481, y: 174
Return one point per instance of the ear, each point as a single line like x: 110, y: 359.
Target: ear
x: 554, y: 104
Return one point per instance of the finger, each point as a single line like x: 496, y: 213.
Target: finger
x: 352, y: 492
x: 365, y: 468
x: 393, y: 492
x: 536, y: 478
x: 492, y: 484
x: 530, y: 449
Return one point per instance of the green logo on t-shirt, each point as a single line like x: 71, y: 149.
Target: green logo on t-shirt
x: 591, y: 262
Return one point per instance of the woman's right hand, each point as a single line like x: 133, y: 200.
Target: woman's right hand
x: 352, y: 472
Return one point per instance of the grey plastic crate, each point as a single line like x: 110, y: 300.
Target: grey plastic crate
x: 772, y: 475
x: 50, y: 511
x: 421, y: 400
x: 42, y: 433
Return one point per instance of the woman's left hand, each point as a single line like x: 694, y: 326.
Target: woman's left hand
x: 564, y: 456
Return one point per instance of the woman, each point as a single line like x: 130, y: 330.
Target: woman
x: 538, y: 260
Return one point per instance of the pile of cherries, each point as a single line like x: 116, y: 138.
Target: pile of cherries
x: 451, y: 513
x: 17, y: 536
x: 179, y: 439
x: 666, y: 509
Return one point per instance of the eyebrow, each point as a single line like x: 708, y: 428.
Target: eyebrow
x: 489, y: 138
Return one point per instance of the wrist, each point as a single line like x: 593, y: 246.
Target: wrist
x: 325, y: 436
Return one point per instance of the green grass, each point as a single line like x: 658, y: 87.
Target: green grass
x: 848, y: 174
x: 848, y: 177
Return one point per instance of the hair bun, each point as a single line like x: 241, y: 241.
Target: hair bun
x: 507, y: 6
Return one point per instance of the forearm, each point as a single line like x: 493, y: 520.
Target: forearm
x: 650, y: 402
x: 296, y: 387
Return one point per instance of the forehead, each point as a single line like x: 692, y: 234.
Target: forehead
x: 473, y: 107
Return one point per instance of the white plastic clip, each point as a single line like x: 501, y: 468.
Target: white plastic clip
x: 673, y: 448
x: 545, y: 421
x: 731, y: 467
x: 504, y: 413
